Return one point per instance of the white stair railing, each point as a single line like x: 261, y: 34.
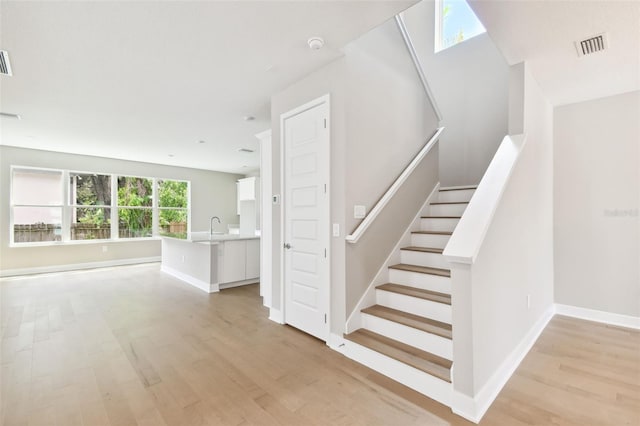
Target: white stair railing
x: 373, y: 214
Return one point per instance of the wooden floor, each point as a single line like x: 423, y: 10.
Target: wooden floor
x: 132, y: 346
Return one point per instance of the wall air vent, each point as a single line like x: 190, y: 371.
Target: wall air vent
x: 593, y: 44
x: 247, y: 150
x: 5, y: 66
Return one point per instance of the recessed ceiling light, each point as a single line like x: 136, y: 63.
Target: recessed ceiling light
x: 10, y: 115
x: 171, y: 155
x: 201, y: 142
x: 248, y: 118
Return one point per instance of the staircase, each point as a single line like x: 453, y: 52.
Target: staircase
x: 407, y: 334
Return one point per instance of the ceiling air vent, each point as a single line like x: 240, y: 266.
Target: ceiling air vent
x: 593, y: 44
x: 5, y: 66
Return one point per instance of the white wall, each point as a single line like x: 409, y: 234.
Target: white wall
x: 212, y: 193
x: 380, y: 118
x: 470, y: 82
x: 596, y: 202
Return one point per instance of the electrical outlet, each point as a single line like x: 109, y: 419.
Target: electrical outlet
x: 105, y: 249
x: 359, y: 212
x: 528, y: 301
x: 336, y: 229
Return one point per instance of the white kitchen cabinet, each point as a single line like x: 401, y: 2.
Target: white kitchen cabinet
x: 240, y: 260
x: 253, y: 259
x: 247, y: 188
x: 234, y: 261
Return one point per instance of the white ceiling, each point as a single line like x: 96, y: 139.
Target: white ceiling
x: 543, y: 32
x: 146, y: 80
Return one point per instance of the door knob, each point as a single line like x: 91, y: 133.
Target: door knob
x: 287, y: 246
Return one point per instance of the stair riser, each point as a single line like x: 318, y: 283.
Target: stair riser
x: 417, y: 380
x: 434, y: 260
x: 430, y: 240
x: 413, y: 305
x: 411, y: 336
x: 455, y: 196
x: 431, y: 224
x: 423, y: 281
x: 447, y: 209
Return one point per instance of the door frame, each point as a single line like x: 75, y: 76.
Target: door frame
x: 325, y: 99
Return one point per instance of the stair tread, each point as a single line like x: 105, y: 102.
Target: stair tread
x: 441, y: 217
x: 422, y: 269
x: 439, y: 203
x: 416, y: 358
x: 433, y: 232
x: 410, y: 320
x: 419, y: 293
x: 423, y: 249
x: 459, y: 188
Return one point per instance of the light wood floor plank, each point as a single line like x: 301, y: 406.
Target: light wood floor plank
x: 133, y: 346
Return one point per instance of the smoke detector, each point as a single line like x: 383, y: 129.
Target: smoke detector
x: 5, y: 66
x: 591, y: 45
x: 315, y: 43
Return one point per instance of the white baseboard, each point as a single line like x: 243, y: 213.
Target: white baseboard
x: 275, y: 315
x: 335, y: 342
x: 222, y: 286
x: 598, y: 316
x: 202, y: 285
x: 473, y: 408
x: 77, y: 266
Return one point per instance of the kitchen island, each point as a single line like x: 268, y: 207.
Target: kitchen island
x: 212, y: 262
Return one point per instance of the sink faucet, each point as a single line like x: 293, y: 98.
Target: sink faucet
x: 211, y: 224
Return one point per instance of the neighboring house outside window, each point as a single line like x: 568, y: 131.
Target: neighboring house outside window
x: 455, y: 23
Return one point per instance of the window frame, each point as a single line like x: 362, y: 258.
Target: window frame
x: 67, y: 207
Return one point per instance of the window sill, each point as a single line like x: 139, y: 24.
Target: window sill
x: 81, y: 242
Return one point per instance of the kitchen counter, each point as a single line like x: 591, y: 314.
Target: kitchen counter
x: 212, y: 262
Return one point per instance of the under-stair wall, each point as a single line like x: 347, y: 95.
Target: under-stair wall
x: 502, y: 261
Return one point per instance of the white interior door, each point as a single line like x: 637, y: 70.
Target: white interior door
x: 306, y: 217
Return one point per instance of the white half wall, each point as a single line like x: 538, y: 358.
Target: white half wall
x: 596, y: 204
x: 503, y: 297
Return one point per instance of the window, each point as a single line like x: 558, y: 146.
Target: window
x: 135, y: 207
x: 36, y: 205
x: 59, y: 206
x: 172, y: 204
x: 455, y: 22
x: 90, y: 206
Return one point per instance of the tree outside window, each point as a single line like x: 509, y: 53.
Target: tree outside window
x: 135, y: 207
x: 173, y: 206
x: 90, y: 204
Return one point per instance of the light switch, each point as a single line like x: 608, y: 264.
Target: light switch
x: 336, y: 229
x: 359, y: 212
